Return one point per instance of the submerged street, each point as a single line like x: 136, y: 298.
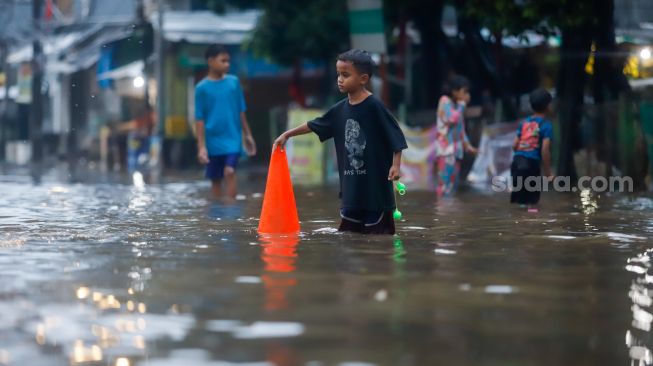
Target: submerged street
x: 112, y: 274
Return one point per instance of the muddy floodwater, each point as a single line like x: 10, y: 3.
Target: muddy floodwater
x: 118, y: 275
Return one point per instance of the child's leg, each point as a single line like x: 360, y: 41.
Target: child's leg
x: 533, y: 196
x: 442, y: 175
x: 214, y: 172
x: 455, y: 172
x: 515, y: 187
x: 216, y: 189
x: 230, y: 182
x: 446, y: 175
x: 519, y: 172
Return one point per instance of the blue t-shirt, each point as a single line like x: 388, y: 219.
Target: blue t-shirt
x: 219, y: 103
x: 531, y: 132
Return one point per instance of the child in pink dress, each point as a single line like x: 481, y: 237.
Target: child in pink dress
x: 451, y: 139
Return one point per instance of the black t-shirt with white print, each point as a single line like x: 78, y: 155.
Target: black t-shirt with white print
x: 366, y: 137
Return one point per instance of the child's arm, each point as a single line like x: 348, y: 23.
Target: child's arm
x: 467, y: 146
x: 202, y: 154
x: 200, y: 117
x: 395, y: 169
x: 281, y: 140
x: 250, y: 144
x: 515, y: 144
x: 546, y: 157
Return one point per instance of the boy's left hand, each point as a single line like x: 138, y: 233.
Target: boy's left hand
x: 395, y: 173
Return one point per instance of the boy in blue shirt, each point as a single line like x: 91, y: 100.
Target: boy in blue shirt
x: 222, y: 127
x: 532, y: 154
x: 368, y: 144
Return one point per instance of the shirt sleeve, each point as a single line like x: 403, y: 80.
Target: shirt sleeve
x: 323, y: 126
x: 391, y: 128
x: 199, y: 105
x: 547, y: 131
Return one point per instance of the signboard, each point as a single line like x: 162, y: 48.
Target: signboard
x: 418, y: 161
x: 305, y: 153
x: 366, y: 25
x: 494, y: 153
x: 24, y: 84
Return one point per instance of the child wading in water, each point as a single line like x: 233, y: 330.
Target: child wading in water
x: 532, y: 148
x: 451, y: 141
x: 222, y: 128
x: 368, y: 144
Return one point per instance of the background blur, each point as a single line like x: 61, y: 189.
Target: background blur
x: 77, y: 76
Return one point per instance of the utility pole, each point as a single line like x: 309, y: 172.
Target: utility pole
x: 159, y: 49
x: 4, y: 50
x: 6, y: 8
x: 36, y: 111
x: 143, y: 23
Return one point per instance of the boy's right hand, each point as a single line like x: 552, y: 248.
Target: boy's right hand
x: 280, y: 142
x: 203, y: 156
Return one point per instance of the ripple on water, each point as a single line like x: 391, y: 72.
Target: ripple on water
x: 326, y: 230
x: 624, y: 238
x: 562, y: 237
x: 195, y: 357
x: 414, y: 228
x: 248, y: 279
x: 259, y: 329
x: 500, y: 289
x: 265, y: 329
x: 444, y: 251
x: 109, y: 235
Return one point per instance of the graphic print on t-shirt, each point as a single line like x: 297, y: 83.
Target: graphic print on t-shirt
x: 355, y: 143
x: 530, y: 136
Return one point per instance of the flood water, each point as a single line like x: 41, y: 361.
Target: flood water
x: 112, y: 274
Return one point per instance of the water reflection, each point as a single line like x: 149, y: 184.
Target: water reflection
x: 399, y: 254
x: 279, y: 254
x: 589, y: 205
x: 150, y: 276
x: 638, y: 338
x: 398, y: 287
x: 225, y: 211
x: 4, y: 357
x: 82, y: 354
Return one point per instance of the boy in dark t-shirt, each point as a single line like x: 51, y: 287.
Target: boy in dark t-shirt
x: 368, y: 144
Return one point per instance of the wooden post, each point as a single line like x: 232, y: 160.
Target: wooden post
x: 36, y: 111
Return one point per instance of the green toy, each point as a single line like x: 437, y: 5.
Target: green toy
x: 401, y: 188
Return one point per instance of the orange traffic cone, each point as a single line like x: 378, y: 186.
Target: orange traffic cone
x: 279, y: 213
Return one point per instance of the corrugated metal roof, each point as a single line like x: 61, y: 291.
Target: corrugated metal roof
x: 52, y: 45
x: 207, y: 26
